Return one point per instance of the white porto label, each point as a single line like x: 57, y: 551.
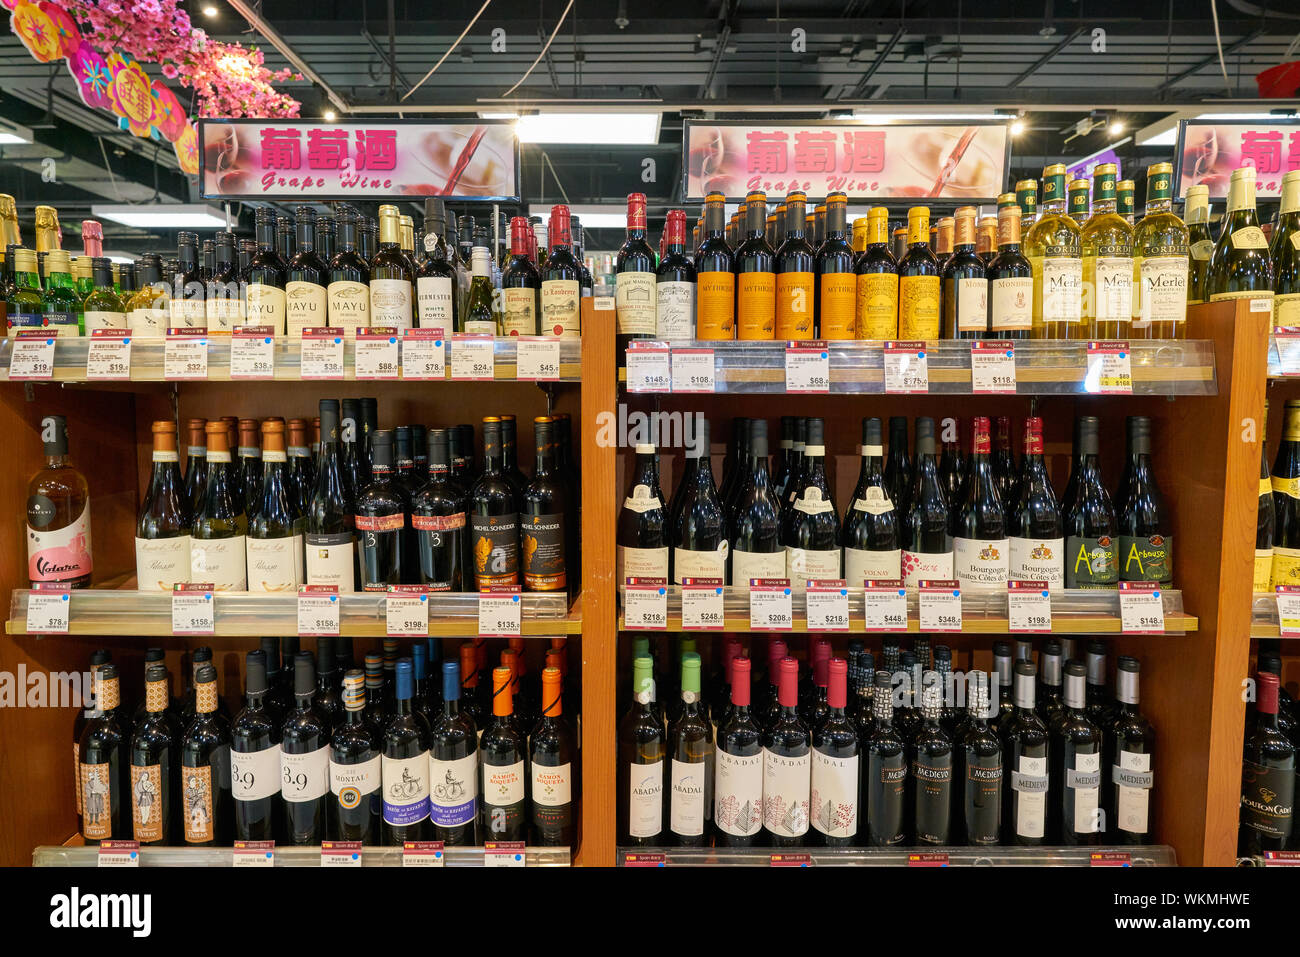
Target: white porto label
x: 922, y: 566
x: 503, y: 784
x: 675, y: 310
x: 980, y: 564
x: 786, y: 783
x: 1062, y: 290
x: 352, y: 783
x: 738, y: 792
x: 162, y: 562
x: 96, y: 319
x: 1038, y: 559
x: 1030, y: 784
x: 405, y: 788
x: 834, y: 794
x: 1013, y: 304
x: 1133, y: 782
x: 220, y: 561
x: 1087, y: 769
x: 552, y: 784
x: 1164, y: 289
x: 641, y: 563
x: 688, y: 563
x: 1113, y: 293
x: 330, y: 562
x: 274, y: 564
x: 255, y: 775
x: 861, y: 564
x: 645, y: 799
x: 390, y: 303
x: 802, y: 564
x: 453, y: 790
x: 306, y: 306
x: 433, y: 296
x: 304, y: 777
x: 687, y: 797
x: 746, y: 565
x: 972, y: 304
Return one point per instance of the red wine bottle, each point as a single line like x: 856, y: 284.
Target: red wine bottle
x: 1024, y: 752
x: 978, y: 525
x: 786, y: 766
x: 738, y: 772
x: 886, y: 780
x: 835, y: 793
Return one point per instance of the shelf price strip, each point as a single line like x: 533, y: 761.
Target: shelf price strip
x: 473, y: 358
x: 993, y: 367
x: 702, y: 604
x: 192, y: 609
x: 1288, y: 611
x: 907, y: 368
x: 884, y: 605
x: 376, y: 355
x: 406, y: 611
x: 644, y: 859
x: 322, y: 354
x: 827, y: 603
x: 252, y: 353
x: 1110, y: 368
x: 537, y: 358
x: 318, y: 610
x: 499, y: 610
x: 807, y: 366
x: 940, y: 606
x: 423, y: 854
x: 1141, y: 609
x: 340, y: 853
x: 185, y: 354
x: 649, y: 367
x: 32, y: 358
x: 48, y: 606
x: 645, y: 603
x: 253, y: 854
x: 424, y: 354
x: 770, y: 604
x: 504, y: 854
x: 1029, y: 607
x: 108, y: 354
x: 118, y: 854
x: 692, y: 371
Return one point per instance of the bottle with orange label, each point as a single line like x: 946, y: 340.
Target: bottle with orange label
x: 756, y: 273
x: 715, y: 278
x: 836, y: 283
x: 876, y: 313
x: 796, y: 306
x: 918, y: 281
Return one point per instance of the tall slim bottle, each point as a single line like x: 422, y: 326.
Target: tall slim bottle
x: 348, y: 291
x: 1285, y: 249
x: 643, y: 532
x: 978, y: 525
x: 1240, y: 266
x: 206, y: 802
x: 1053, y: 247
x: 561, y: 315
x: 1266, y: 523
x: 795, y: 278
x: 330, y: 535
x: 217, y: 546
x: 755, y: 274
x: 1131, y: 745
x: 872, y: 522
x: 264, y: 279
x: 1108, y: 264
x: 391, y: 277
x: 787, y: 766
x: 104, y: 775
x: 162, y: 529
x: 503, y: 758
x: 965, y: 284
x: 876, y: 310
x: 494, y: 517
x: 1025, y: 755
x: 255, y: 772
x: 690, y: 743
x: 1267, y: 778
x: 1091, y: 529
x: 404, y: 765
x: 187, y: 291
x: 1146, y: 541
x: 1196, y: 214
x: 155, y: 764
x: 1160, y: 262
x: 552, y: 759
x: 306, y: 299
x: 635, y: 283
x: 836, y: 282
x: 977, y: 771
x: 276, y: 522
x: 1036, y: 546
x: 885, y: 784
x: 715, y: 275
x: 355, y: 769
x: 919, y: 292
x: 738, y: 767
x: 927, y: 543
x: 304, y: 759
x: 835, y: 790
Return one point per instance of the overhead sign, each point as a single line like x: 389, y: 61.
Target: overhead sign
x: 963, y: 161
x: 1209, y: 150
x: 260, y: 159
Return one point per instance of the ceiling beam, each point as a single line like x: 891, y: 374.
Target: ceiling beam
x: 383, y: 55
x: 1046, y: 58
x: 1212, y: 58
x: 723, y: 36
x: 254, y: 18
x: 861, y: 86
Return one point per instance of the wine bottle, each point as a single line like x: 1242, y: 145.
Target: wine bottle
x: 813, y: 691
x: 1286, y: 499
x: 641, y: 752
x: 186, y: 306
x: 104, y: 762
x: 327, y: 700
x: 927, y: 544
x: 919, y: 281
x: 978, y: 769
x: 932, y: 767
x: 877, y: 281
x: 1108, y: 260
x: 435, y: 281
x: 899, y: 475
x: 643, y: 528
x: 755, y: 273
x: 438, y: 522
x: 635, y: 281
x: 453, y: 765
x: 196, y: 464
x: 306, y: 303
x: 274, y: 547
x: 952, y: 463
x: 404, y: 765
x: 504, y: 750
x: 494, y: 516
x: 1091, y: 546
x: 1131, y: 742
x: 1266, y: 522
x: 886, y: 780
x: 1011, y: 281
x: 255, y: 772
x: 561, y: 281
x: 791, y: 463
x: 348, y: 291
x: 354, y: 769
x: 834, y: 793
x: 1240, y: 266
x: 205, y: 766
x: 872, y: 536
x: 330, y: 522
x: 733, y: 467
x: 217, y: 549
x: 978, y: 525
x: 304, y: 759
x: 836, y: 282
x: 521, y: 284
x: 690, y: 740
x: 162, y: 529
x: 264, y: 279
x: 698, y: 525
x: 302, y: 467
x: 675, y: 283
x: 391, y: 277
x: 1196, y: 214
x: 1076, y: 766
x: 1004, y: 462
x: 1146, y: 545
x: 58, y: 514
x: 248, y: 462
x: 1024, y: 751
x: 810, y: 529
x: 1267, y: 778
x: 738, y: 781
x: 155, y: 764
x: 544, y: 516
x: 715, y: 275
x: 552, y: 748
x: 381, y: 521
x: 965, y: 284
x: 786, y: 766
x: 1036, y: 546
x: 795, y: 277
x: 1054, y: 249
x: 1050, y: 697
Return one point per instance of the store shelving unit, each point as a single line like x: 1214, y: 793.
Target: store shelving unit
x: 60, y: 856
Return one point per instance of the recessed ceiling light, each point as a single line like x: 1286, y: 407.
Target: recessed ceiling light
x: 330, y: 116
x: 209, y: 10
x: 1017, y: 127
x: 1116, y: 127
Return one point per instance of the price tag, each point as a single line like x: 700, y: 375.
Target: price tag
x: 790, y: 860
x: 108, y: 354
x: 424, y: 354
x: 644, y: 859
x: 807, y: 366
x: 504, y: 854
x: 1029, y: 606
x: 254, y: 854
x: 770, y: 605
x: 47, y: 608
x: 322, y: 354
x: 645, y: 604
x: 192, y: 609
x: 1261, y: 305
x: 422, y: 854
x: 376, y: 355
x: 340, y: 853
x: 940, y: 603
x: 1280, y: 858
x: 993, y: 367
x: 1287, y: 340
x: 1288, y: 611
x: 318, y: 610
x: 907, y: 369
x: 828, y: 604
x: 118, y: 854
x: 1110, y: 370
x: 33, y: 355
x: 884, y: 605
x: 499, y: 610
x: 1110, y: 859
x: 1141, y: 608
x: 702, y: 608
x: 537, y: 358
x: 649, y: 367
x: 472, y: 358
x: 252, y: 353
x: 185, y: 354
x: 927, y: 860
x: 692, y: 370
x: 406, y: 610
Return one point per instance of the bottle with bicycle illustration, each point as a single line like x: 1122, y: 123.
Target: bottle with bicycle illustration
x: 404, y: 767
x: 453, y: 766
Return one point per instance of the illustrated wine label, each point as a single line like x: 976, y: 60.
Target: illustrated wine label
x: 756, y: 305
x: 62, y: 554
x: 926, y: 566
x: 255, y: 775
x: 981, y: 564
x: 686, y: 804
x: 634, y: 298
x: 453, y: 791
x: 306, y: 306
x: 405, y: 789
x: 161, y: 563
x: 552, y: 790
x: 1133, y: 779
x: 746, y: 565
x: 542, y: 539
x: 434, y: 300
x: 716, y: 306
x: 519, y: 311
x: 1013, y: 304
x: 834, y: 794
x: 1146, y: 558
x: 1164, y: 289
x: 802, y: 564
x: 645, y: 799
x: 641, y: 563
x: 738, y: 792
x: 349, y: 305
x: 877, y: 305
x: 96, y: 802
x: 99, y: 319
x: 1029, y: 782
x: 390, y: 303
x: 1091, y: 562
x: 786, y: 783
x: 494, y: 544
x: 704, y: 563
x: 837, y: 299
x: 674, y: 310
x: 861, y: 564
x: 220, y: 561
x: 353, y: 783
x: 306, y: 776
x: 1249, y: 237
x: 188, y: 314
x: 794, y: 305
x: 146, y: 323
x: 330, y: 560
x: 146, y: 803
x: 225, y: 311
x: 1062, y: 290
x: 274, y: 564
x: 197, y: 804
x: 561, y: 313
x: 1038, y: 559
x: 1084, y: 779
x: 918, y: 307
x: 972, y: 305
x: 933, y: 777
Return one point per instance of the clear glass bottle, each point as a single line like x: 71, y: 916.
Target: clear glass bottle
x: 1240, y: 267
x: 1286, y: 254
x: 58, y: 514
x: 1107, y: 261
x: 1055, y: 251
x: 1196, y: 214
x: 1160, y: 262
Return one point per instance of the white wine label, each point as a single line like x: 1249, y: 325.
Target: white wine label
x: 161, y: 562
x: 876, y: 502
x: 923, y: 566
x: 634, y: 298
x: 642, y: 499
x: 746, y: 565
x: 1248, y: 237
x: 861, y: 564
x: 738, y: 792
x: 1062, y: 289
x: 785, y: 793
x: 188, y: 314
x: 306, y: 306
x: 1133, y: 781
x: 349, y: 305
x: 1013, y: 304
x: 433, y: 297
x: 1087, y: 770
x: 645, y: 799
x: 802, y: 564
x: 980, y: 565
x: 1030, y: 783
x: 675, y: 311
x: 220, y: 561
x: 224, y: 313
x: 406, y: 788
x: 552, y: 784
x: 265, y: 306
x: 972, y: 305
x: 60, y: 555
x: 352, y: 783
x: 641, y: 563
x: 1113, y: 295
x: 811, y: 502
x: 1164, y: 289
x: 390, y: 303
x: 503, y: 784
x: 688, y: 563
x: 1035, y: 559
x: 149, y: 323
x: 330, y: 561
x: 520, y: 311
x: 453, y: 792
x: 1202, y: 250
x: 274, y: 564
x: 687, y: 797
x: 561, y: 316
x: 834, y: 794
x: 98, y: 319
x: 304, y: 777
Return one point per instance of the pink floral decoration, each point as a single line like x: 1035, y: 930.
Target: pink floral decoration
x: 64, y: 27
x: 187, y: 149
x: 89, y: 68
x: 168, y: 115
x: 33, y: 26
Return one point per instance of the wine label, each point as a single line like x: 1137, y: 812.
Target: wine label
x: 876, y: 501
x: 96, y: 798
x: 926, y: 566
x: 520, y: 311
x: 1091, y: 562
x: 1034, y: 559
x: 349, y: 305
x: 161, y: 562
x: 59, y: 555
x: 641, y: 563
x: 1282, y: 485
x: 552, y: 784
x: 877, y: 306
x: 933, y: 784
x: 1146, y: 559
x: 634, y: 298
x: 836, y: 305
x: 274, y: 564
x: 755, y: 305
x: 834, y: 794
x: 197, y: 804
x: 861, y: 564
x: 1112, y: 290
x: 146, y: 323
x: 716, y: 305
x: 100, y: 319
x: 434, y: 299
x: 353, y: 783
x: 1202, y: 250
x: 690, y: 563
x: 1263, y: 569
x: 746, y: 565
x: 794, y: 305
x: 60, y: 323
x: 1133, y: 781
x: 146, y: 803
x: 981, y: 564
x: 1248, y: 237
x: 330, y: 560
x: 255, y: 775
x: 306, y: 306
x: 224, y: 313
x: 188, y: 314
x: 1013, y: 304
x: 390, y: 303
x: 811, y: 502
x: 983, y: 794
x: 406, y: 789
x: 265, y: 306
x: 688, y: 780
x: 887, y: 780
x: 1164, y: 289
x: 918, y: 307
x: 738, y: 792
x: 541, y: 537
x: 802, y: 564
x: 1286, y: 307
x: 786, y: 783
x: 1029, y: 781
x: 1243, y: 294
x: 220, y: 561
x: 306, y: 776
x: 645, y: 799
x: 1286, y: 566
x: 675, y: 310
x: 1062, y: 290
x: 561, y: 315
x: 1085, y: 780
x: 480, y: 327
x: 642, y: 499
x: 494, y: 545
x: 972, y: 305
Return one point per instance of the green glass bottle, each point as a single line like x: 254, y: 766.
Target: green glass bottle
x: 1125, y: 192
x: 1107, y: 261
x: 1286, y: 254
x: 1196, y: 214
x: 25, y: 303
x: 1054, y: 249
x: 478, y: 317
x: 1240, y: 267
x: 1027, y: 200
x: 1160, y: 261
x: 82, y: 277
x: 61, y: 304
x: 103, y: 308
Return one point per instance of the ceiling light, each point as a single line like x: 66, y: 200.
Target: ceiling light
x: 1017, y: 127
x: 1116, y: 127
x: 1168, y: 138
x: 330, y: 116
x: 164, y: 216
x: 498, y: 116
x: 893, y: 117
x: 594, y: 129
x: 209, y: 10
x: 1247, y: 116
x: 11, y: 134
x: 597, y: 217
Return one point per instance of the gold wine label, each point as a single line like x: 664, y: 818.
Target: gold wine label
x: 1249, y: 237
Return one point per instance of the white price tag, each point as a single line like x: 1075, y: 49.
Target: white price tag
x: 118, y: 854
x: 884, y: 605
x: 1110, y: 370
x: 376, y: 355
x: 649, y: 367
x: 993, y: 367
x: 424, y: 354
x: 47, y: 608
x: 318, y: 610
x: 499, y: 610
x: 807, y: 366
x: 472, y: 358
x: 252, y: 353
x: 505, y: 854
x: 192, y: 609
x: 1287, y: 341
x: 254, y: 854
x: 406, y: 611
x: 33, y: 355
x: 422, y: 854
x: 692, y: 370
x: 340, y: 853
x: 537, y: 358
x: 827, y: 602
x: 108, y: 354
x: 185, y: 354
x: 645, y: 604
x: 322, y: 354
x: 1141, y: 608
x: 907, y: 369
x: 1029, y: 607
x: 702, y: 604
x: 940, y: 603
x: 770, y: 604
x: 1288, y: 611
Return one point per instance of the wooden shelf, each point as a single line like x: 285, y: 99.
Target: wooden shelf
x: 1155, y: 855
x: 68, y: 856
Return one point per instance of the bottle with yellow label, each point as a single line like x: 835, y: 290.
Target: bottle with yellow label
x: 876, y: 312
x: 1054, y: 249
x: 149, y: 308
x: 1160, y: 261
x: 715, y: 277
x: 796, y: 306
x: 836, y: 283
x: 1286, y: 254
x: 1196, y: 214
x: 756, y: 272
x: 1286, y: 499
x: 1266, y: 527
x: 1240, y: 266
x: 965, y: 283
x: 1108, y: 266
x: 918, y: 281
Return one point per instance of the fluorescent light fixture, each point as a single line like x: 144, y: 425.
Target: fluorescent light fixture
x: 594, y: 129
x: 498, y: 116
x: 163, y: 216
x: 869, y: 117
x: 1168, y: 137
x: 11, y: 134
x: 1275, y: 117
x: 592, y: 217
